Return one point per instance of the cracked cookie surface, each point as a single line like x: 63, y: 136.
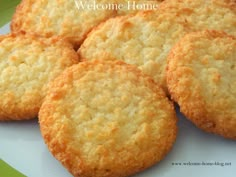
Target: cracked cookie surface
x: 59, y: 17
x: 27, y: 64
x: 201, y: 78
x: 107, y: 119
x: 143, y: 40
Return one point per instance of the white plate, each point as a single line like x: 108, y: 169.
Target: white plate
x: 22, y: 146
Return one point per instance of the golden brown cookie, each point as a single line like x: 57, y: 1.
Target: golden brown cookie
x: 143, y: 40
x: 201, y: 78
x: 27, y: 64
x: 204, y: 14
x: 103, y: 119
x: 60, y: 17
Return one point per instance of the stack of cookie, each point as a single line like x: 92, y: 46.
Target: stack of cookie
x: 201, y: 75
x: 110, y: 114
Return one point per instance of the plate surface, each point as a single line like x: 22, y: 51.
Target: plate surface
x: 194, y: 154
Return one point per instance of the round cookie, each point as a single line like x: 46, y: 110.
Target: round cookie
x: 107, y: 119
x: 201, y: 78
x: 27, y: 64
x: 60, y: 17
x: 204, y: 14
x: 143, y: 40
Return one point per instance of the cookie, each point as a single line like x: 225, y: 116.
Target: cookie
x: 204, y: 14
x: 107, y: 119
x: 71, y: 19
x: 27, y: 64
x: 143, y: 40
x: 201, y: 78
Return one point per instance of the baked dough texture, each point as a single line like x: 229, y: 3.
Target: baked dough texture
x: 143, y: 40
x: 201, y: 78
x: 27, y: 64
x: 204, y: 14
x: 59, y: 17
x: 107, y: 119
